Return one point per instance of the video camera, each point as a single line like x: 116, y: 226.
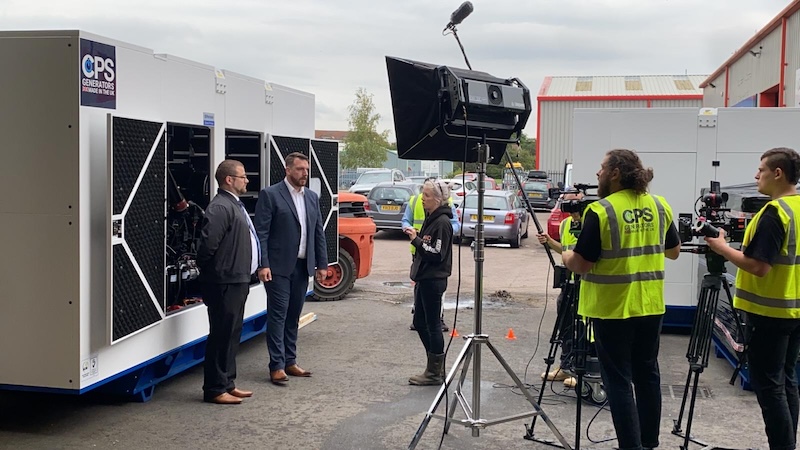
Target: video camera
x: 575, y: 205
x: 711, y: 217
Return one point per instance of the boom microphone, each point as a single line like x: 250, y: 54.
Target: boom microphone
x: 460, y: 14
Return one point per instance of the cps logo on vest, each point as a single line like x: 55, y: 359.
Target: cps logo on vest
x: 636, y: 214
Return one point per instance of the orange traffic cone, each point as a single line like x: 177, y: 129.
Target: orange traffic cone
x: 454, y: 333
x: 510, y: 336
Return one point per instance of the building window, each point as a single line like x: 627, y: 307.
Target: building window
x: 583, y: 84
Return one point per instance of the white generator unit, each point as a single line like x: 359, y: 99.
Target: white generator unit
x: 687, y: 149
x: 107, y: 156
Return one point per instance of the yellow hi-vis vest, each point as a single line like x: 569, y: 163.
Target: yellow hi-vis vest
x: 568, y: 240
x: 777, y: 294
x: 418, y: 214
x: 628, y: 279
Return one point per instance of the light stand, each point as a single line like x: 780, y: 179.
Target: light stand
x: 472, y: 349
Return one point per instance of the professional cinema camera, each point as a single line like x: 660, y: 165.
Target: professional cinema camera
x: 576, y: 205
x: 710, y: 218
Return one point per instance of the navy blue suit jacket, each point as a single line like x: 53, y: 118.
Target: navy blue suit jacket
x: 278, y: 229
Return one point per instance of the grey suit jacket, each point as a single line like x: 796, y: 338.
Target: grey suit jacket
x: 225, y: 253
x: 278, y: 229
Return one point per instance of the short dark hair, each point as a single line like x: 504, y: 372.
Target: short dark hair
x: 225, y: 169
x: 294, y: 155
x: 786, y: 159
x: 632, y: 174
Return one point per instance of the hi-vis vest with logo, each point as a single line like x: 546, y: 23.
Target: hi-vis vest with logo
x: 418, y: 213
x: 777, y: 294
x: 628, y: 279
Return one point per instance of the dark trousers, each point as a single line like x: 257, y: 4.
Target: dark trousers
x: 772, y: 357
x: 565, y: 329
x: 628, y: 353
x: 285, y: 299
x: 225, y: 305
x: 427, y: 307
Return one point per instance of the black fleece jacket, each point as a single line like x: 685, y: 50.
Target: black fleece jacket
x: 434, y: 243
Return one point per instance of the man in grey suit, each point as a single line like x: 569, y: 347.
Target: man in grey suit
x: 289, y: 226
x: 227, y: 257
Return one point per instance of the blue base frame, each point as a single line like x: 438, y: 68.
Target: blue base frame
x: 138, y: 383
x: 679, y: 316
x: 722, y: 352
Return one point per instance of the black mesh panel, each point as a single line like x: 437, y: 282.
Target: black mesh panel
x: 144, y: 224
x: 326, y: 166
x: 332, y: 237
x: 132, y: 141
x: 285, y: 145
x: 132, y: 308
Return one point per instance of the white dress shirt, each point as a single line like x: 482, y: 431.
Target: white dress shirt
x: 298, y: 197
x: 254, y: 244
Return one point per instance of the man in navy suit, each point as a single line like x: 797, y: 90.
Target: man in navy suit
x: 289, y: 226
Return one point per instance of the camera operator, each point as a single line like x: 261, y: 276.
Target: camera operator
x: 768, y: 289
x: 567, y: 242
x: 620, y: 255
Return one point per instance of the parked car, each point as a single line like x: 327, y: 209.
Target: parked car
x: 386, y: 203
x: 537, y: 175
x: 367, y: 180
x: 554, y: 220
x: 459, y: 188
x: 504, y: 217
x: 537, y: 193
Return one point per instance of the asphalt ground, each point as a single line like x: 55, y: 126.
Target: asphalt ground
x: 362, y: 353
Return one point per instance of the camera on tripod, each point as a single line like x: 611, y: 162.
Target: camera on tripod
x: 575, y: 205
x: 710, y: 219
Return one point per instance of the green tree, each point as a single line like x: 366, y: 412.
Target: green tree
x: 364, y: 146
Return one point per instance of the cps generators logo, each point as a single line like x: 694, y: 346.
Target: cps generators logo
x: 638, y: 220
x: 98, y: 74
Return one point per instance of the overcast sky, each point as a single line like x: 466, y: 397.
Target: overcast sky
x: 333, y: 47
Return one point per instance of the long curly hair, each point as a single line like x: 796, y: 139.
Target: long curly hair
x: 632, y: 174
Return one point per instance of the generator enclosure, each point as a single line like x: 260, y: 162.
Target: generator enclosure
x: 108, y: 153
x: 687, y: 149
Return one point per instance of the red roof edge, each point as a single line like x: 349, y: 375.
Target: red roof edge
x: 774, y: 23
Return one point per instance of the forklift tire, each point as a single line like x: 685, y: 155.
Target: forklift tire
x: 340, y: 280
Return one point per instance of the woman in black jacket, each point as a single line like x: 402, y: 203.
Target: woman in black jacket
x: 433, y: 261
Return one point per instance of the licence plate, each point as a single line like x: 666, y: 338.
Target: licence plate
x: 390, y: 207
x: 474, y: 218
x: 534, y: 195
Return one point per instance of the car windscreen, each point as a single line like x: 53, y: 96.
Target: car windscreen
x: 395, y: 194
x: 374, y: 177
x: 534, y: 186
x: 489, y: 203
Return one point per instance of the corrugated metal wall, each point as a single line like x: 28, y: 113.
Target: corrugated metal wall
x: 555, y: 129
x: 792, y: 58
x: 750, y: 74
x: 676, y: 104
x: 714, y: 96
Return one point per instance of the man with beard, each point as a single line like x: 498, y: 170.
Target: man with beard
x: 620, y: 256
x: 289, y: 225
x: 767, y: 290
x: 227, y: 256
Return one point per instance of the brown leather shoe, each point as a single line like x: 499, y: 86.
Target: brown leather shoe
x: 236, y: 392
x: 278, y: 377
x: 296, y: 371
x: 225, y: 399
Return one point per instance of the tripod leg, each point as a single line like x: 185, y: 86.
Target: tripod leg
x: 442, y: 392
x: 528, y: 396
x: 458, y: 397
x: 677, y: 423
x: 740, y: 330
x: 555, y: 342
x: 688, y: 436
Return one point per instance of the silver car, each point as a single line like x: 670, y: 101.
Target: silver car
x: 504, y: 217
x: 386, y: 203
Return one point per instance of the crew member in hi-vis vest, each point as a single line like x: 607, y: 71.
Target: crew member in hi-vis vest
x: 567, y: 241
x: 620, y: 257
x: 768, y: 290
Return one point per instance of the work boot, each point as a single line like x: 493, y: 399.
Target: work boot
x: 555, y: 375
x: 434, y: 372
